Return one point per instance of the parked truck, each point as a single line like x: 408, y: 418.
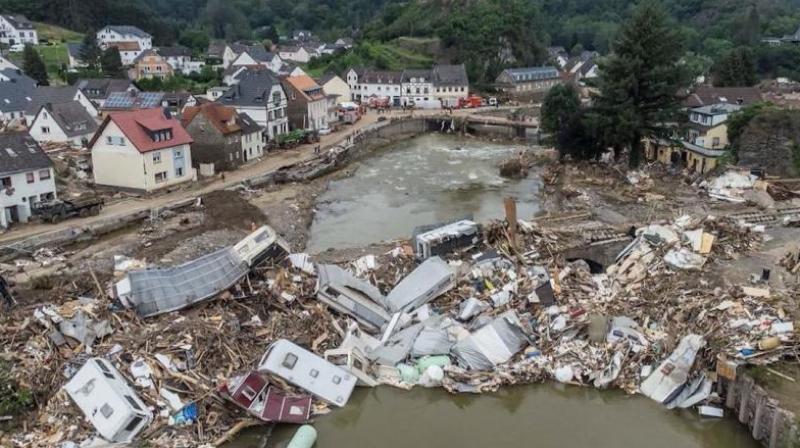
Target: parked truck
x: 59, y: 209
x: 470, y: 102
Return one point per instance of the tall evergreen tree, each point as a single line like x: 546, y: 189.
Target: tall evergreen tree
x: 639, y: 81
x: 559, y: 105
x: 736, y: 69
x: 90, y: 52
x: 111, y: 63
x: 33, y: 66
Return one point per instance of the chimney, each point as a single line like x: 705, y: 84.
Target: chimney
x: 133, y: 93
x: 167, y: 113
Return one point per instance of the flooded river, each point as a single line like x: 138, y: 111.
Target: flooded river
x: 424, y: 180
x: 438, y: 178
x: 536, y: 416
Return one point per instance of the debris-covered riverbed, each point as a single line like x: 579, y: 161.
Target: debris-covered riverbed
x: 629, y: 299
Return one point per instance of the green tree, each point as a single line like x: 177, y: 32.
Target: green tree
x: 639, y: 81
x: 738, y: 121
x: 736, y: 69
x: 90, y: 52
x: 111, y: 63
x: 33, y: 65
x: 560, y: 104
x: 195, y: 38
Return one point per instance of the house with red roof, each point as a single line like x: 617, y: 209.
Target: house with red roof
x: 141, y: 150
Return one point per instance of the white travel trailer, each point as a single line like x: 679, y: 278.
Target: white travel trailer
x: 445, y: 239
x: 107, y: 401
x: 308, y: 371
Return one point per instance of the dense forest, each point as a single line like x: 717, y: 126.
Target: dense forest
x: 719, y: 35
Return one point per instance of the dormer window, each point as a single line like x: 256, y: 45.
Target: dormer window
x: 162, y: 135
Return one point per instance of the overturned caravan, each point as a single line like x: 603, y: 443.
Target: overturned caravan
x: 155, y: 291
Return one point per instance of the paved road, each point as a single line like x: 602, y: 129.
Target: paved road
x: 267, y: 164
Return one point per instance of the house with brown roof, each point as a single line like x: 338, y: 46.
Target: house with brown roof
x: 222, y: 136
x: 150, y: 64
x: 709, y: 95
x: 308, y: 104
x: 142, y: 150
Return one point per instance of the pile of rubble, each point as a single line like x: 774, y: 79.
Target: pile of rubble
x: 196, y: 352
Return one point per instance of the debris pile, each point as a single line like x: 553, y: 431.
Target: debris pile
x: 469, y: 309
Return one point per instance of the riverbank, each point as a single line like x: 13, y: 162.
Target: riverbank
x: 588, y: 210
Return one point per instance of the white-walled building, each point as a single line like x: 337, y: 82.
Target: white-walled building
x: 335, y: 86
x: 26, y: 177
x: 130, y: 41
x: 141, y: 150
x: 366, y: 82
x: 16, y: 94
x: 17, y: 29
x: 260, y: 95
x: 57, y: 95
x: 63, y: 123
x: 180, y: 59
x: 294, y: 53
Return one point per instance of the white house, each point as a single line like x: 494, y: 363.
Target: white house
x: 417, y: 87
x: 26, y: 177
x: 294, y: 53
x: 258, y: 56
x: 336, y: 86
x: 16, y: 94
x: 63, y: 123
x: 180, y: 59
x: 16, y: 29
x: 365, y: 83
x: 5, y: 63
x: 123, y: 33
x: 107, y: 401
x: 130, y: 41
x: 57, y: 95
x: 260, y: 95
x: 141, y: 150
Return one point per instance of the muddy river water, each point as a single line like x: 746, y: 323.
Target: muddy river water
x: 436, y: 178
x: 423, y: 180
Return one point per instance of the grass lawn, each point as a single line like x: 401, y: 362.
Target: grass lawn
x: 54, y: 55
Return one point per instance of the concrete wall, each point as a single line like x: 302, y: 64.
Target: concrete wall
x: 769, y: 424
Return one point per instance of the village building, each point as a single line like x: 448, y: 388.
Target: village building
x: 294, y: 53
x: 7, y: 64
x: 67, y: 123
x: 131, y: 100
x: 180, y: 59
x: 16, y: 29
x: 177, y: 102
x: 791, y: 39
x: 26, y: 177
x: 74, y: 55
x: 254, y: 55
x: 222, y: 136
x: 527, y: 81
x: 129, y: 40
x: 335, y: 86
x: 142, y: 150
x: 708, y: 95
x: 308, y: 105
x: 58, y: 95
x: 99, y: 89
x: 701, y: 142
x: 16, y: 93
x: 558, y: 55
x: 365, y: 83
x: 260, y: 95
x: 450, y: 82
x: 150, y: 65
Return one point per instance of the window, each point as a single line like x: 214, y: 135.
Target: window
x: 178, y: 154
x: 106, y: 410
x: 248, y: 392
x: 337, y: 379
x: 161, y: 177
x: 133, y: 424
x: 314, y: 373
x: 715, y: 141
x: 30, y: 177
x: 289, y: 361
x: 44, y: 174
x: 156, y: 158
x: 133, y: 403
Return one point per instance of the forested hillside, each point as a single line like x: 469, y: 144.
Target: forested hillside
x: 484, y: 34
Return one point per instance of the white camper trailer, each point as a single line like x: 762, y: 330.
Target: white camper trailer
x: 107, y: 401
x: 308, y: 371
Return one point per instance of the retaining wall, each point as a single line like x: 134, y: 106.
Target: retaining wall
x: 769, y: 424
